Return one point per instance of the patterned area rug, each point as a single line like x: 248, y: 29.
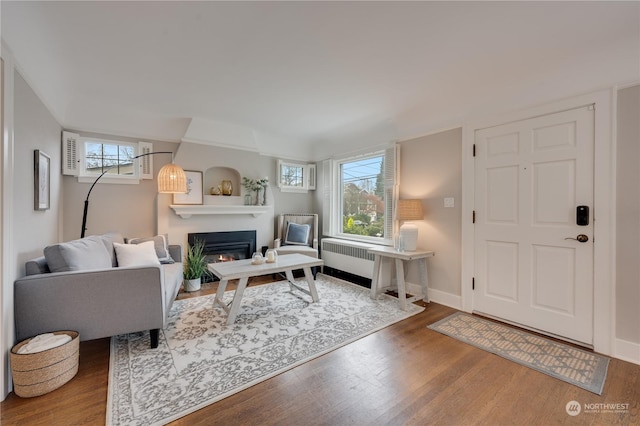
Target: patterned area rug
x: 572, y: 365
x: 200, y: 360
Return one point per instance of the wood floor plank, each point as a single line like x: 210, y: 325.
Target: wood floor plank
x: 403, y: 374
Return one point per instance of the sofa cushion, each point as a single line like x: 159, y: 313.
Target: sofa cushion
x: 143, y: 254
x: 108, y: 239
x: 160, y: 244
x: 297, y: 234
x: 77, y: 255
x: 36, y: 266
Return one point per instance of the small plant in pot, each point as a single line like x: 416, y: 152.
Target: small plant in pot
x: 195, y: 266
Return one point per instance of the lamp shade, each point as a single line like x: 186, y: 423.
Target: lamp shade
x: 409, y: 210
x: 172, y: 179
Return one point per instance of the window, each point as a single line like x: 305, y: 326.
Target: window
x: 362, y: 196
x: 114, y: 158
x: 88, y: 158
x: 293, y: 177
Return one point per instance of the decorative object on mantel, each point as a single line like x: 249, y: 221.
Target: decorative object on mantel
x: 409, y: 210
x: 201, y: 360
x: 260, y: 188
x: 171, y: 180
x: 216, y: 190
x: 194, y: 191
x: 261, y: 184
x: 227, y: 187
x: 195, y: 267
x: 248, y: 187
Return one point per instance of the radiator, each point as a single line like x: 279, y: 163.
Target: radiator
x: 347, y: 256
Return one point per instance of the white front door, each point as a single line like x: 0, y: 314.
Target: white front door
x: 530, y: 178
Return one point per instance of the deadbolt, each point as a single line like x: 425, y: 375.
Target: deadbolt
x: 580, y: 238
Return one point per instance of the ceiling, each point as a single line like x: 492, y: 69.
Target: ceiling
x: 310, y: 79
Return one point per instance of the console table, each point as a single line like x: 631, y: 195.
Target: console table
x: 244, y: 269
x: 401, y: 260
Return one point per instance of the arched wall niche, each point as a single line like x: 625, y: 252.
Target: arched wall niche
x: 214, y: 176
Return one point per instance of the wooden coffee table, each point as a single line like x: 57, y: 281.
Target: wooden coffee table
x: 244, y: 269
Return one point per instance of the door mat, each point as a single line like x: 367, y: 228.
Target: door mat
x: 579, y: 367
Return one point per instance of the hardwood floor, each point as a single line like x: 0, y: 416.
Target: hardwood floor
x: 403, y: 374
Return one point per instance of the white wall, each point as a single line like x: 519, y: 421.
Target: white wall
x: 430, y: 170
x: 628, y: 218
x: 33, y: 128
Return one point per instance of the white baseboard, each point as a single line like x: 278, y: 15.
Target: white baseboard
x: 437, y: 296
x: 627, y: 351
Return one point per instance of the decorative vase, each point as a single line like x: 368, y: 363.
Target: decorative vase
x: 192, y: 285
x: 258, y: 197
x: 264, y: 196
x: 227, y: 187
x: 247, y: 199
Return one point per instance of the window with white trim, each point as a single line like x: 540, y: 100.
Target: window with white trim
x: 362, y: 196
x: 295, y: 177
x: 87, y: 158
x: 110, y: 157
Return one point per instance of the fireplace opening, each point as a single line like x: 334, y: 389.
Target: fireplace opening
x: 225, y: 246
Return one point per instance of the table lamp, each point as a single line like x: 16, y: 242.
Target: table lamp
x: 409, y: 210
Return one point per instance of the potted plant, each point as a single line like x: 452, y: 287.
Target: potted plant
x: 195, y: 266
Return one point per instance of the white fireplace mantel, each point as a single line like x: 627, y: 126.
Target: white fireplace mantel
x: 186, y: 211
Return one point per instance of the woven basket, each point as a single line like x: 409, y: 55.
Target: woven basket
x: 41, y: 372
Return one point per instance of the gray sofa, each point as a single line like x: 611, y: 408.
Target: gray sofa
x: 98, y: 301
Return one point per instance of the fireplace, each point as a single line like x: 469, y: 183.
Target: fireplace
x: 225, y: 246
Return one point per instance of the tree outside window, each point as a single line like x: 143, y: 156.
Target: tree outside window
x: 363, y: 203
x: 102, y: 156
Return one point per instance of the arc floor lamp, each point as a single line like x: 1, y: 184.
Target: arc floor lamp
x: 171, y: 180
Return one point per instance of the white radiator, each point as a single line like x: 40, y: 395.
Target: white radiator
x: 347, y: 256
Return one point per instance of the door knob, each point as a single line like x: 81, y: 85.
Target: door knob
x: 580, y: 238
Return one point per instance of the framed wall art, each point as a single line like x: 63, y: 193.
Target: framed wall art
x: 194, y: 192
x: 41, y: 180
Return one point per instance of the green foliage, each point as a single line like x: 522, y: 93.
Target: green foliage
x: 364, y: 218
x: 195, y: 262
x: 366, y: 227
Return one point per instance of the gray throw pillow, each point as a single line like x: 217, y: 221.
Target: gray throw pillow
x: 161, y: 245
x: 297, y: 234
x: 78, y: 255
x: 108, y: 239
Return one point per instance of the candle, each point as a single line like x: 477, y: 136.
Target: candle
x: 271, y: 256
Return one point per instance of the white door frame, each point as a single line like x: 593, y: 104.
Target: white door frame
x: 604, y: 206
x: 7, y: 276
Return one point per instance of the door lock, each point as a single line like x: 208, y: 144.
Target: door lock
x: 580, y: 238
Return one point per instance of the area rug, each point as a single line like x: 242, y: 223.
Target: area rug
x: 201, y: 360
x: 572, y: 365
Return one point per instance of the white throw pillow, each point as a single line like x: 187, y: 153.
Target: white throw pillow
x: 143, y: 254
